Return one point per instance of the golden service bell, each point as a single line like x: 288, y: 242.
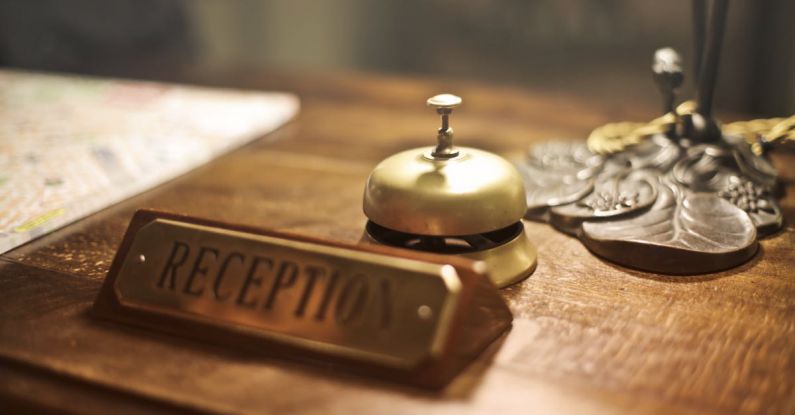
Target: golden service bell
x: 452, y: 200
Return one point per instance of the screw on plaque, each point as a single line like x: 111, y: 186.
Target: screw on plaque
x: 444, y: 104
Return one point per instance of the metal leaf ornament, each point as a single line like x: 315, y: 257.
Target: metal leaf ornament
x: 673, y: 196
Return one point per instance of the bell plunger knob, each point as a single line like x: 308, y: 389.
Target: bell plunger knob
x: 444, y: 104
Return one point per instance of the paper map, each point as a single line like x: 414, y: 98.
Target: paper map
x: 70, y: 146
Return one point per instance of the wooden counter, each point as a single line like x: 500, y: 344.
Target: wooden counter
x: 588, y: 336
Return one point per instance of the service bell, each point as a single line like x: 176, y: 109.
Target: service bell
x: 452, y: 200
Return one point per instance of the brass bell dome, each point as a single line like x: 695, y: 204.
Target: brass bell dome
x: 471, y: 193
x: 428, y: 198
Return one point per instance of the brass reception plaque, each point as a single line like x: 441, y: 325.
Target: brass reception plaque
x: 330, y: 302
x: 368, y: 306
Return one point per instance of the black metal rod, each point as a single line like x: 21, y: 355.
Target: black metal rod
x: 699, y: 23
x: 709, y: 66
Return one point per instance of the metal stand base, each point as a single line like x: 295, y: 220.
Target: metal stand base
x: 661, y: 205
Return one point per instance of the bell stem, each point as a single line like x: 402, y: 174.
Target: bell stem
x: 444, y: 137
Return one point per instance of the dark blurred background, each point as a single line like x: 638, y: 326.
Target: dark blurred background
x: 600, y: 49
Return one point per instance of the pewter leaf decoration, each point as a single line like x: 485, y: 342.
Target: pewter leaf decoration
x: 756, y: 200
x: 680, y: 234
x: 676, y: 195
x: 699, y: 222
x: 557, y: 173
x: 613, y: 196
x: 610, y: 202
x: 544, y: 189
x: 746, y: 195
x: 662, y: 206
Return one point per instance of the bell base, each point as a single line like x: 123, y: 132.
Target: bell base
x: 508, y: 263
x: 508, y: 260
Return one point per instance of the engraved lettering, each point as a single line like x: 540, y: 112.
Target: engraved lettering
x: 239, y: 285
x: 222, y: 272
x: 320, y: 315
x: 351, y: 300
x: 267, y: 283
x: 312, y: 274
x: 285, y: 278
x: 200, y: 270
x: 179, y: 253
x: 252, y: 278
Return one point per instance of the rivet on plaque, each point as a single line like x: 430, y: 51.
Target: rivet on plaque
x: 452, y: 200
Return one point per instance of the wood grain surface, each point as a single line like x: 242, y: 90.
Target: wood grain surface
x: 588, y: 336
